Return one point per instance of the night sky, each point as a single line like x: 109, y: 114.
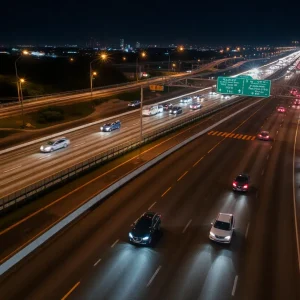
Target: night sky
x: 191, y: 22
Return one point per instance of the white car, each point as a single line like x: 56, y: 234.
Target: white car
x: 198, y: 97
x: 211, y: 93
x: 186, y: 99
x: 195, y: 105
x: 226, y: 97
x: 222, y: 228
x: 55, y: 144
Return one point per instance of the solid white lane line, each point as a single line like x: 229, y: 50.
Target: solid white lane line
x: 97, y: 262
x: 294, y: 197
x: 12, y: 169
x: 151, y: 206
x: 44, y: 156
x: 76, y: 145
x: 247, y: 230
x: 155, y: 273
x: 187, y: 225
x: 234, y: 285
x: 114, y: 244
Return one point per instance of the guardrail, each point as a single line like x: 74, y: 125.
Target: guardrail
x: 44, y: 184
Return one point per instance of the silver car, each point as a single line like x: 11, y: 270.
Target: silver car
x: 186, y: 99
x: 55, y: 144
x: 222, y: 228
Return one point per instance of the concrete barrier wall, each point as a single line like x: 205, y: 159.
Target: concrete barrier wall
x: 17, y: 257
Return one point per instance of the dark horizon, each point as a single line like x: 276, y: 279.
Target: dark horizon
x: 192, y: 23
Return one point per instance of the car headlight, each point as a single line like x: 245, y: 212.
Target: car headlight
x: 101, y: 128
x: 212, y: 234
x: 227, y: 238
x: 130, y: 235
x: 48, y: 148
x: 42, y: 148
x: 146, y: 238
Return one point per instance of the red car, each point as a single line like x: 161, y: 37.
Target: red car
x: 281, y: 109
x: 264, y: 135
x: 294, y: 91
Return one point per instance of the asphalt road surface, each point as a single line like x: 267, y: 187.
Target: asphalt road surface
x: 93, y: 260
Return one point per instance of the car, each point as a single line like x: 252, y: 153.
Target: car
x: 175, y: 110
x: 55, y: 144
x: 294, y: 91
x: 296, y: 102
x: 222, y: 228
x: 241, y: 183
x: 226, y: 97
x: 135, y: 103
x: 211, y: 93
x: 198, y: 97
x: 281, y: 109
x: 195, y: 105
x: 168, y: 106
x: 160, y: 108
x: 297, y: 95
x: 186, y: 99
x: 145, y: 228
x: 111, y: 126
x: 264, y: 135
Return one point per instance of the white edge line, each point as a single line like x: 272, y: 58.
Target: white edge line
x: 294, y: 197
x: 153, y: 276
x: 187, y: 225
x: 234, y: 285
x: 114, y: 244
x: 97, y: 262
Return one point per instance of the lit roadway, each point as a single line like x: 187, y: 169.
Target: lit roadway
x: 92, y: 259
x: 27, y: 165
x: 68, y: 98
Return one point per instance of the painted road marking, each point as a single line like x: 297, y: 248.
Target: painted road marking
x: 114, y: 244
x: 97, y: 262
x: 70, y: 291
x: 234, y: 285
x: 182, y: 175
x: 12, y: 169
x: 152, y: 278
x: 187, y: 225
x: 166, y: 191
x: 151, y: 205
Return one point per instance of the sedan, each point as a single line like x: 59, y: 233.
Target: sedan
x: 111, y: 126
x: 135, y: 103
x: 199, y: 97
x: 168, y: 106
x: 185, y: 99
x: 195, y: 105
x: 281, y: 109
x: 226, y: 97
x: 264, y: 135
x: 55, y: 144
x: 241, y: 183
x: 212, y: 93
x: 222, y: 228
x: 175, y: 110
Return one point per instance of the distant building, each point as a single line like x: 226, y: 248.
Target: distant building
x: 122, y: 44
x: 138, y: 45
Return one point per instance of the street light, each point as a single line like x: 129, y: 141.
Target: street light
x: 19, y: 85
x: 143, y: 55
x: 103, y: 57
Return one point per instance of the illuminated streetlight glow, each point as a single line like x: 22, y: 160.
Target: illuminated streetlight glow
x: 22, y: 80
x: 71, y: 59
x: 181, y: 48
x: 25, y: 52
x: 143, y: 54
x: 124, y: 58
x: 174, y: 65
x: 103, y: 56
x: 94, y: 73
x: 227, y: 49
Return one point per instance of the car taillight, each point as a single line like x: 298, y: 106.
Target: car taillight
x: 245, y: 186
x: 234, y: 184
x: 259, y: 135
x: 267, y: 137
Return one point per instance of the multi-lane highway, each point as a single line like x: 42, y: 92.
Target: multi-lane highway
x: 92, y: 259
x: 27, y: 165
x: 68, y: 98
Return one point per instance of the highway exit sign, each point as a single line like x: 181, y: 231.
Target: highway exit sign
x: 244, y: 86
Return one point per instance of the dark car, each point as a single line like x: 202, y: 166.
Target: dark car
x: 168, y: 106
x: 145, y: 228
x: 175, y: 110
x: 264, y: 135
x: 111, y: 126
x: 135, y: 103
x: 241, y: 183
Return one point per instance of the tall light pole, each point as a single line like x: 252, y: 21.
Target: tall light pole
x: 19, y: 86
x: 141, y: 115
x: 103, y: 57
x: 143, y: 54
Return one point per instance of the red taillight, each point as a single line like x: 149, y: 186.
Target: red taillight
x: 259, y: 135
x: 245, y: 186
x: 234, y: 184
x: 267, y: 137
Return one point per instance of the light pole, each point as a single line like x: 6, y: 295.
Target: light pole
x: 19, y: 86
x: 143, y: 54
x: 103, y: 57
x: 141, y: 115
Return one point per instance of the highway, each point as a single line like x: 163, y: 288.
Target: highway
x: 92, y: 259
x: 27, y: 165
x: 68, y: 98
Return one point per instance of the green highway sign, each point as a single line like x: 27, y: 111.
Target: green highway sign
x: 244, y: 85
